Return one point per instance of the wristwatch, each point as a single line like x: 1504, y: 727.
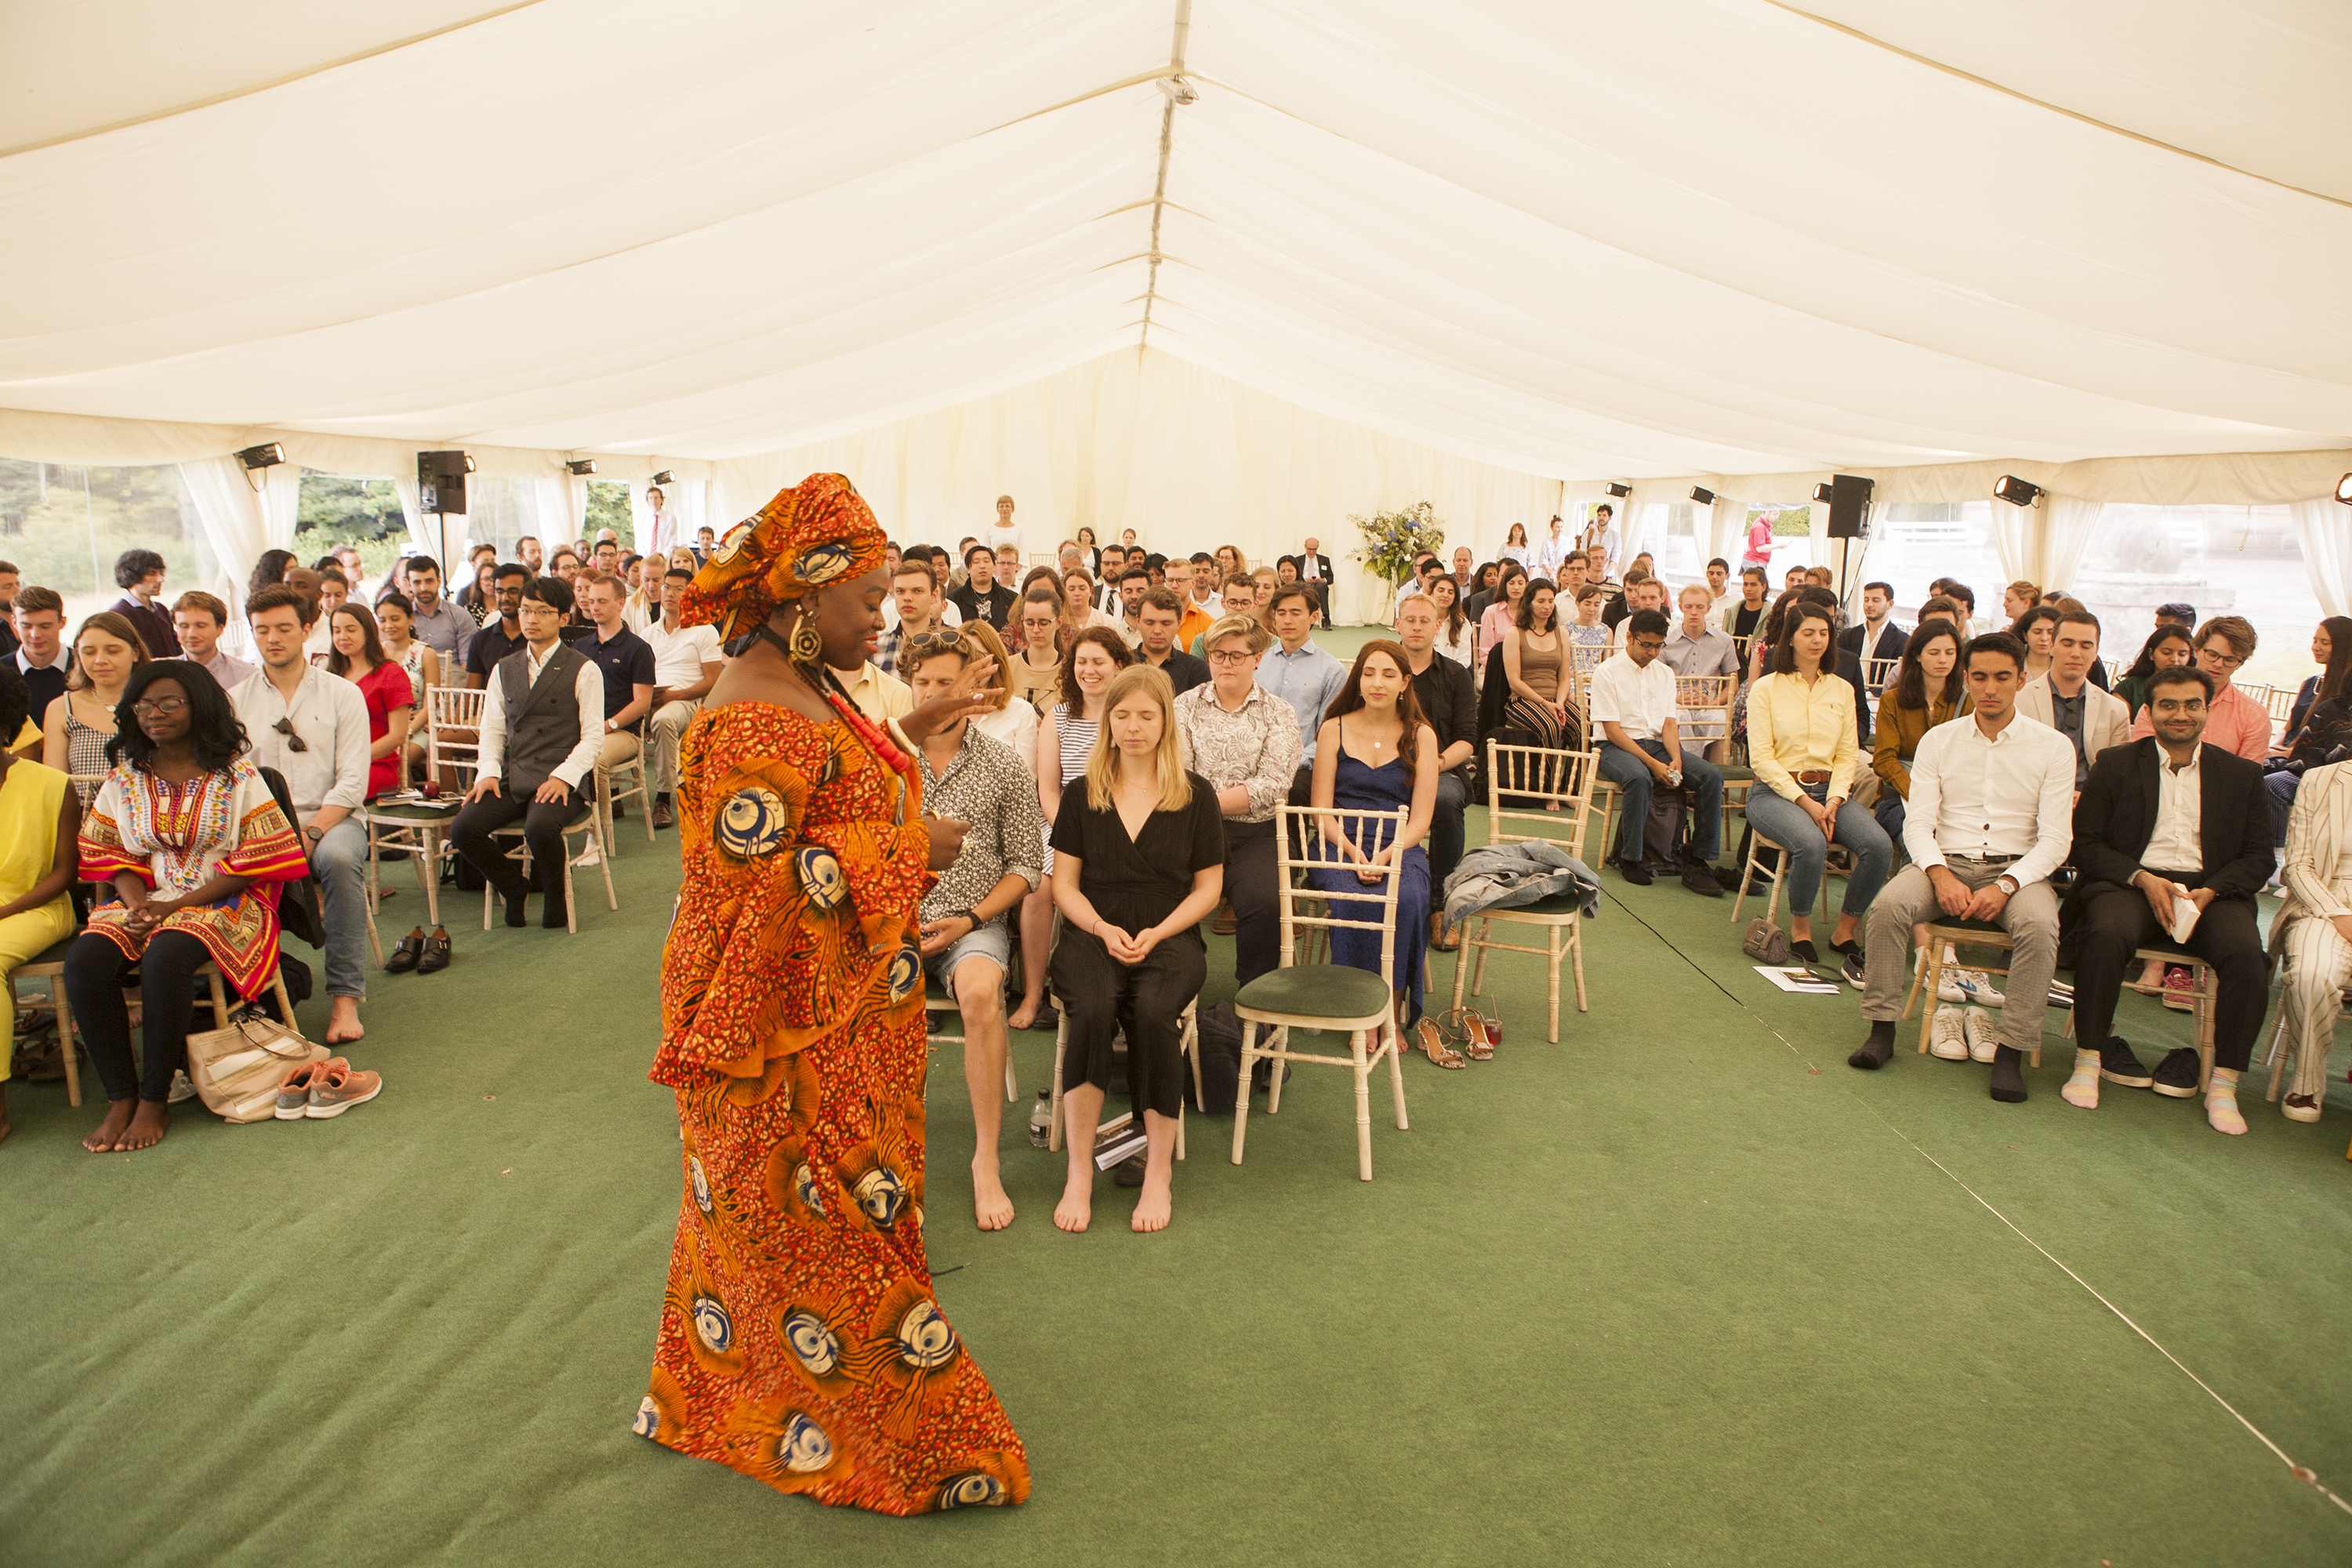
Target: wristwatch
x: 971, y: 915
x: 2007, y: 884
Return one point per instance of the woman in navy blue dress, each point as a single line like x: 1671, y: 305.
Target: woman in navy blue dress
x: 1375, y: 752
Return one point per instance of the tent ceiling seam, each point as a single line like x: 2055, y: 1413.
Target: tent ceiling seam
x: 251, y: 88
x: 2053, y: 108
x: 1159, y: 186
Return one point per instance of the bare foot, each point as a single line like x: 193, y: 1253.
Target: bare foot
x: 1152, y: 1209
x: 343, y: 1024
x: 117, y: 1117
x: 1025, y: 1015
x: 990, y: 1206
x: 147, y: 1127
x: 1076, y: 1209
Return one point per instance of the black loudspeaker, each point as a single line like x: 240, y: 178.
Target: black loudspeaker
x: 441, y: 482
x: 1849, y: 504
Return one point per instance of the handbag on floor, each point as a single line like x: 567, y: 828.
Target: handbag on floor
x: 1766, y: 942
x: 237, y: 1069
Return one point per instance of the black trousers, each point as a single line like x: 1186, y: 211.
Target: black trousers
x: 1101, y: 996
x: 543, y: 829
x: 1253, y: 870
x: 167, y: 995
x: 1446, y: 832
x: 2111, y: 925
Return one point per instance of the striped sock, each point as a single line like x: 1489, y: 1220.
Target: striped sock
x: 2222, y: 1102
x: 2082, y: 1088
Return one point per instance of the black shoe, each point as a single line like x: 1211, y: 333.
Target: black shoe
x: 2117, y: 1065
x: 1699, y: 877
x: 437, y: 952
x: 404, y: 957
x: 1635, y: 872
x: 1803, y: 947
x: 1851, y: 968
x: 2007, y: 1076
x: 2176, y: 1075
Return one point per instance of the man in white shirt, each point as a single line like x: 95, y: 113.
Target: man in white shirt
x: 200, y: 618
x: 1633, y: 705
x: 687, y: 662
x: 543, y: 730
x: 1205, y: 598
x: 1005, y: 533
x: 312, y: 726
x: 1989, y: 816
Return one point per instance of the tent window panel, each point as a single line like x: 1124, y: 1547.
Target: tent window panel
x: 63, y: 527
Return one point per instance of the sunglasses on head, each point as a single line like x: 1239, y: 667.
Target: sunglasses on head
x: 937, y: 640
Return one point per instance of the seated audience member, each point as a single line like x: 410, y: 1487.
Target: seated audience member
x: 441, y: 626
x: 981, y: 597
x: 40, y: 659
x: 1065, y: 741
x: 1239, y: 599
x: 625, y: 660
x: 686, y: 663
x: 2319, y: 722
x: 1718, y: 587
x: 1132, y: 587
x: 1927, y: 690
x: 643, y: 575
x: 1130, y: 957
x: 1301, y: 674
x: 2234, y: 721
x: 334, y: 590
x: 2036, y: 629
x: 186, y: 831
x: 1964, y: 599
x: 1699, y: 647
x: 312, y: 728
x: 1376, y: 752
x: 1801, y: 742
x: 1456, y: 638
x: 1160, y: 616
x: 2016, y: 600
x: 543, y: 730
x: 1011, y: 722
x: 2161, y: 821
x: 1035, y: 673
x: 358, y: 656
x: 1113, y: 567
x: 1078, y: 610
x: 1265, y: 580
x: 528, y: 551
x: 199, y: 619
x: 2176, y: 615
x: 140, y: 574
x: 1245, y: 742
x: 1991, y: 817
x: 421, y: 664
x: 2167, y: 648
x: 967, y: 938
x: 1502, y: 612
x: 1642, y: 592
x: 1878, y: 640
x: 1535, y: 662
x: 1449, y: 705
x: 499, y: 637
x: 2063, y: 697
x: 108, y: 652
x: 39, y: 818
x: 1744, y: 618
x: 1794, y: 577
x: 2313, y: 930
x: 1587, y: 631
x: 1632, y: 708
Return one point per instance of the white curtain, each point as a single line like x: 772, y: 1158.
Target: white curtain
x: 562, y: 510
x: 440, y: 538
x: 684, y: 503
x: 2324, y: 529
x: 243, y: 513
x: 1727, y: 531
x: 2044, y: 543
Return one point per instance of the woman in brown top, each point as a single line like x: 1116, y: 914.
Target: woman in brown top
x: 1927, y: 690
x: 1532, y: 659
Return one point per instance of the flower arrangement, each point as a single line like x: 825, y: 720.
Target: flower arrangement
x: 1393, y: 539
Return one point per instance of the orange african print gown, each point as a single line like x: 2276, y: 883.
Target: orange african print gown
x: 800, y: 1342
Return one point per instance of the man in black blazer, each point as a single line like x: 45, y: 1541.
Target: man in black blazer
x: 2160, y: 820
x: 1877, y: 638
x: 1315, y: 567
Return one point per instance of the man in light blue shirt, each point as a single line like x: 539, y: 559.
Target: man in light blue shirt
x: 1301, y: 674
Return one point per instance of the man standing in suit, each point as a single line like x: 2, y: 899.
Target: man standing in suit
x: 2163, y: 822
x: 1315, y: 567
x: 1877, y: 638
x: 2064, y: 698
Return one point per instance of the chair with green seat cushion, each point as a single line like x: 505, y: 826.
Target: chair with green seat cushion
x: 1536, y: 776
x: 1326, y: 995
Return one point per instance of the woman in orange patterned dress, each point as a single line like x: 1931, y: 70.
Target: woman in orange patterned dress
x: 800, y: 1342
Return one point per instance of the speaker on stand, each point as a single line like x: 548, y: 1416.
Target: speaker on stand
x: 1849, y: 499
x: 440, y: 490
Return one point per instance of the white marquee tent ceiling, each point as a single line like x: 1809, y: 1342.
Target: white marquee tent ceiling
x: 1573, y: 237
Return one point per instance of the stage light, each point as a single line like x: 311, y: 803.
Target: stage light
x: 1822, y: 494
x: 1178, y: 90
x: 469, y: 461
x: 2343, y: 489
x: 2016, y: 491
x: 267, y: 456
x: 665, y: 478
x: 1619, y: 491
x: 580, y: 466
x: 1703, y: 497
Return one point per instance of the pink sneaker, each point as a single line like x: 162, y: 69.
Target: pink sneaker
x: 339, y: 1086
x: 2179, y: 987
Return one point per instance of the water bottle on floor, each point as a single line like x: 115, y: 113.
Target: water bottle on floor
x: 1041, y: 1120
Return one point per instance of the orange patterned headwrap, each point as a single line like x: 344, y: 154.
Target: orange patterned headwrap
x: 818, y: 532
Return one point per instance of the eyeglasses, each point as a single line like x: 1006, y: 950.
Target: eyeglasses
x: 1230, y: 656
x: 2226, y: 661
x: 294, y: 743
x: 153, y: 707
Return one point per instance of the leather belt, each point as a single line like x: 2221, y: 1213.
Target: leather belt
x: 1819, y: 775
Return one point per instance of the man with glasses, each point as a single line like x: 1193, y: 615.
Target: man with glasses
x: 496, y: 640
x: 1632, y: 702
x: 2234, y: 720
x: 542, y: 728
x: 312, y: 726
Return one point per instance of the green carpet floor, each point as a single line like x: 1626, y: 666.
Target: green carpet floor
x: 1681, y: 1289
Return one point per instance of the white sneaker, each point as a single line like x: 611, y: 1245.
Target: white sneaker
x: 1954, y: 987
x: 1975, y: 985
x: 1983, y: 1031
x: 1946, y: 1037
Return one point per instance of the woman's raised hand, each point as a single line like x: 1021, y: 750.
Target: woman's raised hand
x: 971, y: 695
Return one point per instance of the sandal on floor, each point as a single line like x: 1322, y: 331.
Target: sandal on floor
x: 1433, y: 1043
x: 1466, y: 1023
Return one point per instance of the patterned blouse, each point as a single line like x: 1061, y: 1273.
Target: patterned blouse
x: 989, y: 786
x: 1258, y: 747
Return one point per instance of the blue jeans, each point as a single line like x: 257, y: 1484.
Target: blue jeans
x: 338, y: 862
x: 1700, y: 779
x: 1784, y: 822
